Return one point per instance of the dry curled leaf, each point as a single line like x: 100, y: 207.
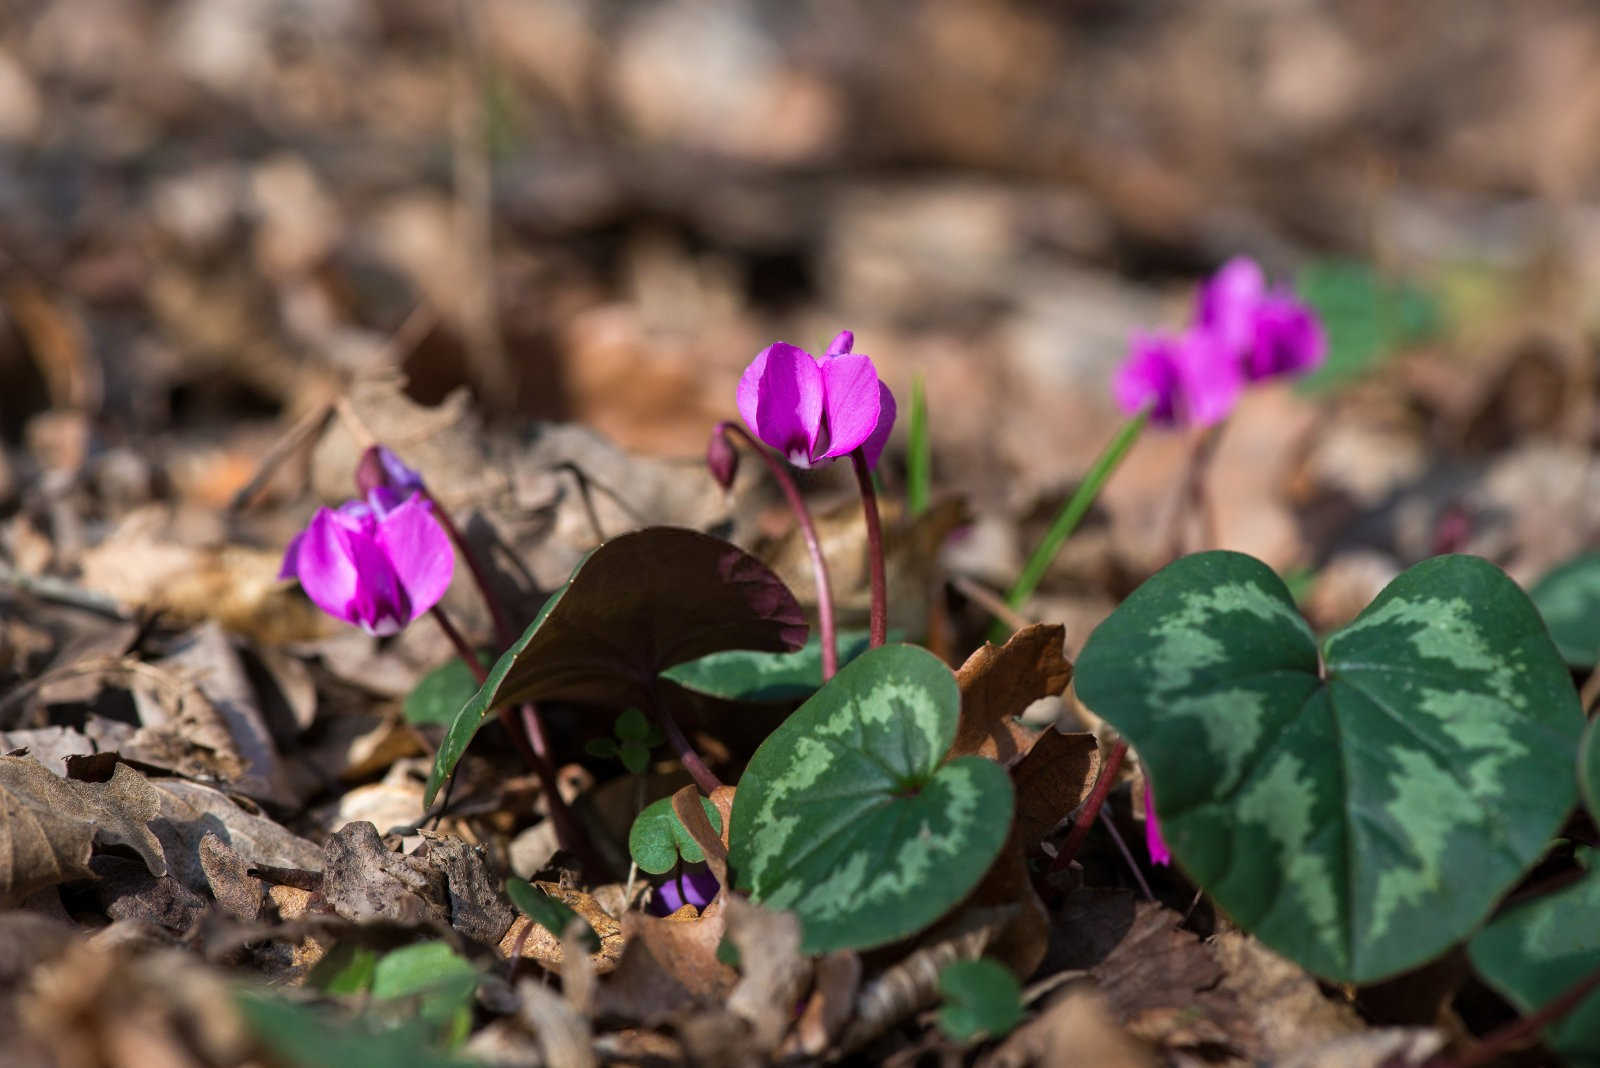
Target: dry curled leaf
x: 1052, y: 779
x: 549, y: 950
x: 909, y: 986
x: 49, y: 825
x: 1079, y: 1021
x: 999, y: 682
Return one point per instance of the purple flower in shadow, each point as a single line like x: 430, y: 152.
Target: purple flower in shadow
x: 1154, y: 844
x: 1185, y: 379
x: 696, y: 888
x: 378, y: 563
x: 813, y: 410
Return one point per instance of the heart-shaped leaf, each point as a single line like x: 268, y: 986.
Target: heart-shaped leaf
x: 981, y: 997
x: 658, y: 838
x: 1362, y: 818
x: 1535, y: 952
x: 846, y: 816
x: 634, y: 607
x: 742, y: 675
x: 1569, y: 599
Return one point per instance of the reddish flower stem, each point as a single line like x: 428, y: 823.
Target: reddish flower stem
x: 869, y: 509
x: 1091, y: 807
x: 808, y: 530
x: 502, y: 624
x: 1518, y: 1032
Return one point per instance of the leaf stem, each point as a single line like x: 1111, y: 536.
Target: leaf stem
x: 879, y: 626
x: 1519, y: 1031
x: 808, y: 530
x: 1070, y: 516
x: 703, y: 776
x: 1091, y: 807
x: 1192, y: 491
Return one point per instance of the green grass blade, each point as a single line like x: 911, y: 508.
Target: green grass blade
x: 1070, y: 516
x: 919, y: 460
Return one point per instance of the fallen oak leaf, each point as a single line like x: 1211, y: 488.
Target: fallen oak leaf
x: 49, y: 825
x: 549, y: 949
x: 998, y: 682
x: 1052, y: 778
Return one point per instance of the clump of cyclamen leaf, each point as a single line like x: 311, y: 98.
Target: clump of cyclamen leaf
x: 848, y: 815
x: 1358, y: 811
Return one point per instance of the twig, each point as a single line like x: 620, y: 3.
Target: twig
x: 1127, y: 854
x: 306, y: 428
x: 990, y: 602
x: 62, y: 592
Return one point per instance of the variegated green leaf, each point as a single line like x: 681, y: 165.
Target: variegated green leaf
x: 1359, y: 812
x: 1589, y: 769
x: 744, y: 675
x: 1569, y: 599
x: 846, y: 816
x: 634, y: 607
x: 1537, y: 951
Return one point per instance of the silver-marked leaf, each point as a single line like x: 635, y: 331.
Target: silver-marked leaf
x: 1362, y: 818
x: 658, y: 838
x: 1537, y: 951
x: 634, y: 607
x: 742, y: 675
x: 1589, y: 769
x: 1569, y: 599
x: 846, y: 816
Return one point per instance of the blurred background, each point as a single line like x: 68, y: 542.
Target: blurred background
x: 217, y: 215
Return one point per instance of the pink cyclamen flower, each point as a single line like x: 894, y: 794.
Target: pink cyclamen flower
x: 378, y: 563
x: 1270, y: 333
x: 1185, y: 379
x: 811, y: 409
x: 1154, y: 844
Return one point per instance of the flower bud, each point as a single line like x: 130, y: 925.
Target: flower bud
x: 722, y: 459
x: 382, y: 469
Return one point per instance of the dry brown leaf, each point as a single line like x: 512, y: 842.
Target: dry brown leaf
x: 131, y: 895
x: 1286, y: 1005
x: 364, y: 882
x: 1379, y: 1047
x: 774, y: 973
x: 543, y: 946
x: 686, y: 806
x: 668, y: 965
x: 563, y: 1033
x: 1080, y: 1022
x: 235, y: 889
x: 910, y: 985
x: 48, y: 825
x: 189, y: 811
x: 999, y: 682
x: 1158, y: 966
x: 1054, y: 777
x: 828, y: 1009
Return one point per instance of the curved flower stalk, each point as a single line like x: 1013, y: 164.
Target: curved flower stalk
x: 378, y: 563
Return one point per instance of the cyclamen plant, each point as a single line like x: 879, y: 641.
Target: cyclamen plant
x: 1360, y: 803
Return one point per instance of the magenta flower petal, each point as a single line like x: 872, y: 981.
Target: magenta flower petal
x: 326, y: 564
x: 851, y: 403
x: 1185, y: 379
x: 1287, y: 339
x: 872, y: 448
x: 781, y: 399
x: 842, y: 342
x: 1228, y: 302
x: 1154, y: 844
x: 419, y: 552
